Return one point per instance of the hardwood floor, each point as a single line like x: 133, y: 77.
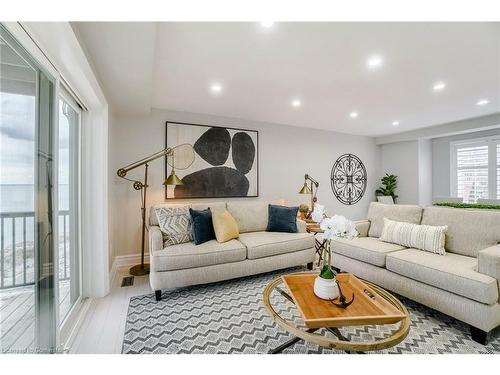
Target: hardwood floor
x: 103, y: 328
x: 17, y: 315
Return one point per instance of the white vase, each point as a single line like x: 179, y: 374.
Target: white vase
x: 326, y: 288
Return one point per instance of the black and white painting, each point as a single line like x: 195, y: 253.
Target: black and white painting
x: 225, y: 163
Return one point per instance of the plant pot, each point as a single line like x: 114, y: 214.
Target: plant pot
x: 303, y: 215
x: 326, y: 288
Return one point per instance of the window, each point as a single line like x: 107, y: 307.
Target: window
x: 498, y: 169
x: 69, y: 192
x: 476, y: 169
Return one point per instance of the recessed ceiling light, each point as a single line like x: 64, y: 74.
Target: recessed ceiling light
x: 482, y: 102
x: 375, y: 62
x: 267, y: 24
x: 216, y: 88
x: 395, y: 123
x: 439, y: 86
x: 353, y: 114
x: 296, y: 103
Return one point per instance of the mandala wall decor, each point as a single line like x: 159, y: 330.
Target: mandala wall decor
x: 225, y: 165
x: 348, y: 179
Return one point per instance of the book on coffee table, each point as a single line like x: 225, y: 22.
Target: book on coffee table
x: 368, y: 307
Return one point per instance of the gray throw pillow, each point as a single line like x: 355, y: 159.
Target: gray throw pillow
x: 175, y: 224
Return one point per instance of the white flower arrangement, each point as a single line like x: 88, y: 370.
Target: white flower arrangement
x: 338, y: 226
x: 319, y: 213
x: 334, y: 227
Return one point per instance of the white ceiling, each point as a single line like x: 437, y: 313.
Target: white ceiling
x: 172, y: 65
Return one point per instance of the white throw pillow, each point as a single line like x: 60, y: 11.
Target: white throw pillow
x: 175, y: 224
x: 423, y: 237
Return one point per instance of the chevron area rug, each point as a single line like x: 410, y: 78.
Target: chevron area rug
x: 229, y: 317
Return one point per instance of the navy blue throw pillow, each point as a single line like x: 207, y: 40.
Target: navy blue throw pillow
x: 203, y: 228
x: 282, y: 219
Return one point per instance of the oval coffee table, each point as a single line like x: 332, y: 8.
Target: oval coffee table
x: 372, y: 306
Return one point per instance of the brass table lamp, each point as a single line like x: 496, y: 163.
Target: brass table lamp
x: 311, y: 189
x: 187, y: 151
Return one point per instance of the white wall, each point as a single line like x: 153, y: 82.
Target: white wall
x: 285, y: 154
x: 442, y: 163
x: 425, y: 172
x: 401, y: 159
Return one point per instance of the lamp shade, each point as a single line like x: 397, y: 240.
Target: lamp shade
x: 173, y: 179
x: 305, y: 189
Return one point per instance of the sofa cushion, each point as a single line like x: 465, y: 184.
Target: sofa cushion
x: 214, y: 206
x: 452, y: 272
x: 225, y: 227
x: 203, y: 227
x: 265, y: 244
x: 424, y: 237
x: 153, y: 220
x: 175, y: 224
x: 366, y: 249
x: 250, y: 216
x: 397, y: 212
x: 282, y: 219
x: 469, y: 231
x: 189, y: 255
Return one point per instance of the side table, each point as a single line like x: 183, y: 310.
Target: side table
x: 319, y: 244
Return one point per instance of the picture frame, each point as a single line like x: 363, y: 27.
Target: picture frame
x: 226, y: 161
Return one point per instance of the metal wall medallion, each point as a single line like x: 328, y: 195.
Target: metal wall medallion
x: 348, y: 179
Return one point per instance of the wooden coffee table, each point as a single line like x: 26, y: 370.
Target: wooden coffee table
x: 372, y: 306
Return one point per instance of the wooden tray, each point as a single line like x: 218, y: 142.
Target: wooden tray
x: 365, y: 310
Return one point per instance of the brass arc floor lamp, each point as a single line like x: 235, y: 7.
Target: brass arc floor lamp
x: 187, y: 152
x: 311, y: 189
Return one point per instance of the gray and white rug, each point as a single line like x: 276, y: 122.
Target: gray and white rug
x: 229, y: 317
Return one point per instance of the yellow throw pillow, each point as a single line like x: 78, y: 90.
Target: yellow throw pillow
x: 225, y: 227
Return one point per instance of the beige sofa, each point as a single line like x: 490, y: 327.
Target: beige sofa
x: 464, y: 283
x: 255, y: 251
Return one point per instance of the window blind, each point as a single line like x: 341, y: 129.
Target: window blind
x: 498, y: 170
x: 472, y: 171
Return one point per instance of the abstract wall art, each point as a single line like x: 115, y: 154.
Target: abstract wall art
x: 225, y: 165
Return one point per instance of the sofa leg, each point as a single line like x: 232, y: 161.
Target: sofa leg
x: 479, y: 335
x: 310, y: 266
x: 158, y: 295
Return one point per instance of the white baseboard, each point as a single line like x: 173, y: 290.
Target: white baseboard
x: 125, y: 261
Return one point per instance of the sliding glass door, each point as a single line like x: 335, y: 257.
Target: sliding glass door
x: 40, y: 250
x: 69, y: 284
x: 18, y: 119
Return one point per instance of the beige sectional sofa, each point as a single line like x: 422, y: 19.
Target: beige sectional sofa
x: 255, y: 251
x: 464, y: 283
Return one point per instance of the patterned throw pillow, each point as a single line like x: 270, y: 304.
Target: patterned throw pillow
x: 422, y: 237
x: 175, y: 224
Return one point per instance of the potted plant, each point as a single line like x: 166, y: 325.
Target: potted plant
x: 303, y: 210
x: 389, y: 182
x: 325, y: 284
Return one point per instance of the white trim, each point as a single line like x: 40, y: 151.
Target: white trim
x: 465, y: 142
x: 466, y: 126
x: 66, y: 325
x: 126, y: 261
x: 25, y: 39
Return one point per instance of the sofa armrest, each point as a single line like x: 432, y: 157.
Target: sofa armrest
x: 362, y: 226
x: 488, y: 261
x: 155, y: 239
x: 301, y: 226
